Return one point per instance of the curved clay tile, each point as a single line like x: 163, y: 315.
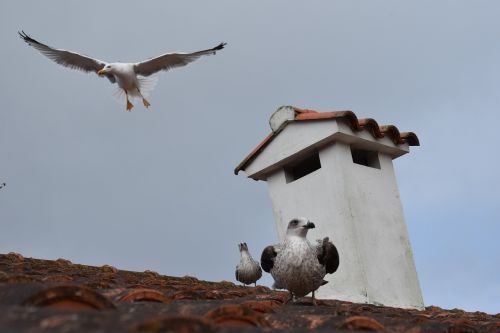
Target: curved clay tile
x: 280, y: 296
x: 411, y: 138
x: 189, y: 294
x: 58, y: 278
x: 69, y: 297
x: 236, y: 314
x: 144, y: 295
x: 361, y: 323
x: 263, y: 306
x: 14, y: 257
x: 254, y: 153
x: 349, y: 115
x: 299, y: 110
x: 109, y: 269
x: 63, y: 262
x: 372, y: 126
x: 393, y: 133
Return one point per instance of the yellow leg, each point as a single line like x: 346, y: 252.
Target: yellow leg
x: 129, y: 105
x: 144, y: 101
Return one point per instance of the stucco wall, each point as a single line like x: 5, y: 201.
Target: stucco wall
x: 300, y: 137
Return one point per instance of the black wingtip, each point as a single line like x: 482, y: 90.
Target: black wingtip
x: 220, y: 46
x: 24, y: 36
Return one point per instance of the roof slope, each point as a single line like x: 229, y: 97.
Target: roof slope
x: 59, y: 296
x: 369, y: 124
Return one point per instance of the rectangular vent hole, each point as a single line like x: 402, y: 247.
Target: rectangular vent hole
x: 302, y: 168
x: 365, y: 157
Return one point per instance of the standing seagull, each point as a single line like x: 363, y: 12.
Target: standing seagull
x: 248, y: 270
x: 295, y: 264
x: 132, y: 78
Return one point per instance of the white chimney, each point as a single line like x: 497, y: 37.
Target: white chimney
x: 337, y: 171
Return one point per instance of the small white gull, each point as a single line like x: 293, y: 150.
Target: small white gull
x: 248, y: 270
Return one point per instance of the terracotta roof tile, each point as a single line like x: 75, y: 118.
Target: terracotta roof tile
x: 356, y: 125
x: 59, y: 296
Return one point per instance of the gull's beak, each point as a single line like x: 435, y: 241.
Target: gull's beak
x: 309, y: 225
x: 101, y: 72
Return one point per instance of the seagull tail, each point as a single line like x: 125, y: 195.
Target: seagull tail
x: 147, y: 84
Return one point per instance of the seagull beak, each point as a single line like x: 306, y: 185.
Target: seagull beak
x: 309, y: 225
x: 101, y: 72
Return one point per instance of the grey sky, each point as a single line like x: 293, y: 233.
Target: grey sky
x: 154, y: 189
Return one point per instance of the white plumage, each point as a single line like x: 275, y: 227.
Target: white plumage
x: 132, y: 78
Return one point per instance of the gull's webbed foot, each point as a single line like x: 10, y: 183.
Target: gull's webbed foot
x: 129, y: 105
x: 146, y: 103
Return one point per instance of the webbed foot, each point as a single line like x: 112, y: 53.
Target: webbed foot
x: 129, y: 105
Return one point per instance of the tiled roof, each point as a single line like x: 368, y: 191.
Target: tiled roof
x: 369, y: 124
x: 59, y: 296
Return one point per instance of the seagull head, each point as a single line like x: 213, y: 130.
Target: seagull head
x: 299, y: 226
x: 105, y: 70
x: 243, y: 247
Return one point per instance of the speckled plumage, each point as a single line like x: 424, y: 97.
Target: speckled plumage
x: 295, y: 264
x: 297, y: 268
x: 248, y: 271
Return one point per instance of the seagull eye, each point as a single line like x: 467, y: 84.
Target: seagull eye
x: 294, y: 222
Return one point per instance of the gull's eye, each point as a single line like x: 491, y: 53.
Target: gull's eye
x: 294, y: 222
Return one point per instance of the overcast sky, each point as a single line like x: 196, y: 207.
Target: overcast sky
x: 155, y: 189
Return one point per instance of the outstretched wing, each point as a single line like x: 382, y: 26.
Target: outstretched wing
x: 171, y: 60
x: 328, y: 255
x: 267, y: 258
x: 66, y: 58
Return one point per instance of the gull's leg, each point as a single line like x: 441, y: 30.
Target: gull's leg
x: 255, y: 284
x: 144, y: 101
x: 129, y: 105
x: 292, y: 298
x: 313, y: 299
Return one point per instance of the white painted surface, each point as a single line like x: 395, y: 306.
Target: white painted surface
x: 358, y: 207
x: 300, y: 137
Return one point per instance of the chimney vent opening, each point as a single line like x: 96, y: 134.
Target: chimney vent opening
x: 365, y: 157
x: 302, y: 168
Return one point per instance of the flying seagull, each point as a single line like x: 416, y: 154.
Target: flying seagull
x: 298, y: 266
x: 132, y: 78
x: 248, y: 270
